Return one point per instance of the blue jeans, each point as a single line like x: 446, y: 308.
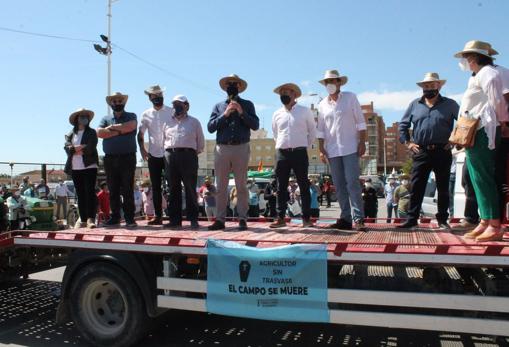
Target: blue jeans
x: 345, y: 176
x: 390, y: 208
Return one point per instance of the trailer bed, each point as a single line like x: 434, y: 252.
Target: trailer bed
x: 382, y: 243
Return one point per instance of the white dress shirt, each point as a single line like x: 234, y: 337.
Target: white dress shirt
x: 293, y: 128
x: 153, y: 121
x: 61, y: 190
x: 184, y: 133
x: 339, y: 124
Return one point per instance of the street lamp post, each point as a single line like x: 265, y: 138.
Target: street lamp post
x: 386, y: 139
x: 107, y: 50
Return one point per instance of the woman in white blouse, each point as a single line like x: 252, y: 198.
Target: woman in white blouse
x: 483, y: 100
x: 81, y: 165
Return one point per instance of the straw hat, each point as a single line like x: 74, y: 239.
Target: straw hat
x: 81, y: 112
x: 479, y: 47
x: 223, y: 82
x: 155, y: 89
x: 291, y: 86
x: 404, y: 177
x: 117, y: 95
x: 431, y: 77
x: 333, y: 74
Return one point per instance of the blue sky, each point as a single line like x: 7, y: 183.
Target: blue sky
x: 384, y: 47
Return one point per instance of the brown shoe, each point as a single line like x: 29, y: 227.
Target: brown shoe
x: 478, y: 231
x: 307, y: 223
x: 279, y: 223
x: 491, y: 234
x: 155, y: 221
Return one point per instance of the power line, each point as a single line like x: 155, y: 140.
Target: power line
x: 143, y: 60
x: 60, y: 37
x: 174, y: 75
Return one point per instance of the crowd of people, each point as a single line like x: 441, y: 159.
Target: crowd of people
x: 175, y: 138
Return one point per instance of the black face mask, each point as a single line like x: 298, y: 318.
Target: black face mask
x: 285, y: 99
x: 430, y: 93
x: 157, y: 101
x: 118, y: 108
x: 232, y: 90
x: 179, y: 109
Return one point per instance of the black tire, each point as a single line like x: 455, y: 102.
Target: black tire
x: 107, y: 307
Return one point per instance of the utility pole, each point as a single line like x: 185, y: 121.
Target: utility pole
x: 107, y: 50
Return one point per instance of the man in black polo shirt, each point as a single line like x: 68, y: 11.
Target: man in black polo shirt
x: 432, y: 118
x: 119, y: 145
x: 233, y: 119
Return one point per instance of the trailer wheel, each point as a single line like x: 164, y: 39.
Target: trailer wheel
x: 106, y: 306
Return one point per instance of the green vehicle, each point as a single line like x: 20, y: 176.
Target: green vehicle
x: 41, y: 214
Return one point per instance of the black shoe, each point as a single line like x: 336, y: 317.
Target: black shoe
x: 409, y: 224
x: 173, y: 225
x: 217, y: 225
x: 195, y: 225
x: 340, y: 224
x: 130, y: 224
x: 242, y: 225
x: 111, y: 223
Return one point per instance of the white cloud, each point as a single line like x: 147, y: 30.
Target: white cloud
x: 395, y: 100
x: 305, y: 83
x: 389, y: 100
x: 263, y: 107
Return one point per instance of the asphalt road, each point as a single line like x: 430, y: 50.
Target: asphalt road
x: 27, y: 311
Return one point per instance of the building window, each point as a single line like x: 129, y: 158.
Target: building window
x: 314, y: 157
x: 268, y: 148
x: 258, y: 158
x: 268, y: 158
x: 258, y: 148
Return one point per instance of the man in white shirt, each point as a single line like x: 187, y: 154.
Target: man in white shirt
x: 153, y: 120
x: 342, y: 136
x: 61, y: 194
x: 294, y: 131
x: 183, y: 141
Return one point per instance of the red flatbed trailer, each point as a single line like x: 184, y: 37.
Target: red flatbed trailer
x: 155, y: 269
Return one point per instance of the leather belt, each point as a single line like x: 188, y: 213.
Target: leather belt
x: 293, y: 149
x: 232, y: 142
x: 435, y: 146
x: 180, y: 149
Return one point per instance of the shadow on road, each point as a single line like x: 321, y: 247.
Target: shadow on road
x: 27, y: 312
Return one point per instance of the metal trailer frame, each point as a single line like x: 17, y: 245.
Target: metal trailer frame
x: 426, y: 247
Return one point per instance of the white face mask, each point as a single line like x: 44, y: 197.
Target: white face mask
x: 145, y: 189
x: 404, y: 182
x: 463, y: 64
x: 369, y: 185
x: 331, y: 88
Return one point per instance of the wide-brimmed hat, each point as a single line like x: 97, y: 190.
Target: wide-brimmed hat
x: 333, y: 74
x: 81, y: 112
x: 223, y: 82
x: 291, y: 86
x: 404, y: 177
x: 155, y: 89
x: 479, y: 47
x: 116, y: 95
x: 431, y: 77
